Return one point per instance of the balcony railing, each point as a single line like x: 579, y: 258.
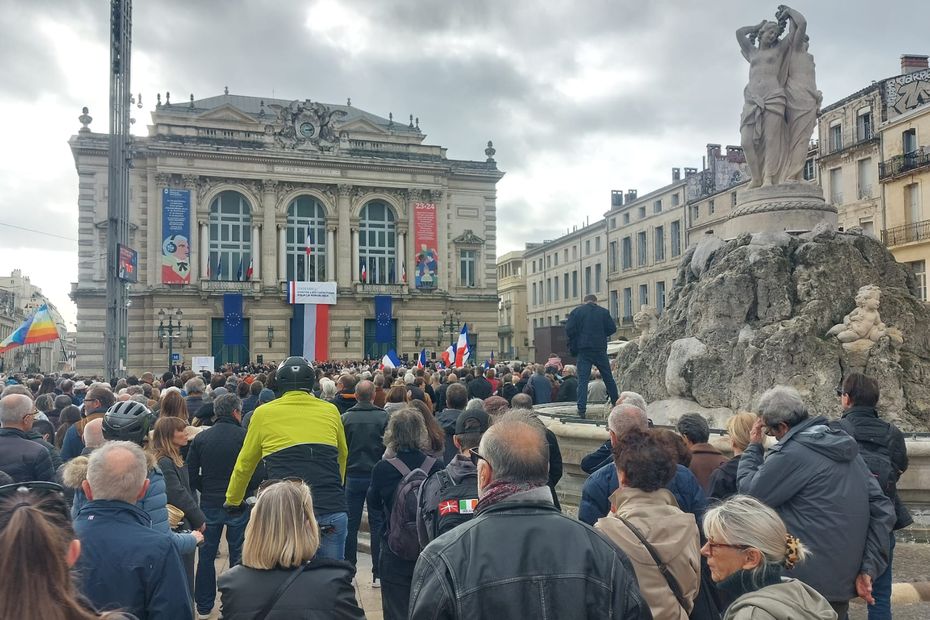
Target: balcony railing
x: 230, y: 286
x: 381, y: 289
x: 504, y: 330
x: 909, y: 233
x: 902, y: 164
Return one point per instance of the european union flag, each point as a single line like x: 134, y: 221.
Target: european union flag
x: 232, y: 319
x: 383, y: 315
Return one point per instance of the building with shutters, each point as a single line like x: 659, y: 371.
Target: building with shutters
x: 237, y: 194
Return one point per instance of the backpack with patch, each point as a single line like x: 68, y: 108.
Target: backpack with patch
x: 874, y: 448
x: 457, y: 501
x: 402, y: 527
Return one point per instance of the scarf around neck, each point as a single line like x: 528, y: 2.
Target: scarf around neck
x: 498, y: 491
x: 744, y: 581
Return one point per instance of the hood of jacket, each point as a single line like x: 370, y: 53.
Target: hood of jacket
x: 789, y: 599
x: 115, y: 509
x: 460, y: 467
x: 816, y: 435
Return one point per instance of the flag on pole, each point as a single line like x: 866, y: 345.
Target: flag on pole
x: 38, y: 328
x: 421, y: 360
x: 219, y: 267
x: 390, y: 360
x: 403, y: 274
x: 308, y: 247
x: 448, y: 356
x: 364, y: 274
x: 250, y: 270
x: 239, y: 271
x: 461, y: 347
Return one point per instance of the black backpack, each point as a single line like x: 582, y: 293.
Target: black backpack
x: 457, y: 501
x: 874, y: 447
x: 402, y: 527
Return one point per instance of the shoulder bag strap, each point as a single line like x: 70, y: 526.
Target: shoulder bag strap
x: 279, y: 593
x: 663, y: 568
x: 400, y: 466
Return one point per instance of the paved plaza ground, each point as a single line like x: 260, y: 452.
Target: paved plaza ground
x: 911, y: 565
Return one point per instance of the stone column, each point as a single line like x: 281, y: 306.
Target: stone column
x: 355, y: 258
x: 256, y: 251
x: 155, y: 235
x: 204, y: 249
x: 190, y: 184
x: 330, y: 253
x: 282, y: 252
x: 269, y: 199
x: 343, y: 238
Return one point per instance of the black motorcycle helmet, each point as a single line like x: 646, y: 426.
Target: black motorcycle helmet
x: 128, y: 421
x: 295, y: 373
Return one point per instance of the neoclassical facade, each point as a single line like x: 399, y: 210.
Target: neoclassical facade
x: 273, y: 191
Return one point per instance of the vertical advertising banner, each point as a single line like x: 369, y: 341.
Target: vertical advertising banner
x: 425, y: 245
x: 176, y: 234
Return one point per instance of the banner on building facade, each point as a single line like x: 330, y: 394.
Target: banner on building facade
x: 311, y: 293
x: 310, y: 331
x: 176, y: 234
x: 425, y: 245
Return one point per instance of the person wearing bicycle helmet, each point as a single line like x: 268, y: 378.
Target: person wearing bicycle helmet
x: 131, y: 421
x: 299, y: 435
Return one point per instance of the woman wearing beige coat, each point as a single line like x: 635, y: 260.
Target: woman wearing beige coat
x: 642, y: 508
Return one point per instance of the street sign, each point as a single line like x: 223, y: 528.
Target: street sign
x: 175, y: 357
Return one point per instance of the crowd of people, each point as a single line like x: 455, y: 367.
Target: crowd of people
x: 119, y: 492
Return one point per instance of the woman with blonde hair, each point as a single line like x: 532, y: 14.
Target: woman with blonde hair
x: 748, y: 549
x: 722, y: 482
x: 280, y: 575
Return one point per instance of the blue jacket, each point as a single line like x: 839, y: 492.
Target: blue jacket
x: 588, y: 328
x: 126, y: 564
x: 595, y: 495
x: 72, y: 445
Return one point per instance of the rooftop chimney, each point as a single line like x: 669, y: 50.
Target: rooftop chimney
x: 690, y: 171
x: 676, y: 174
x: 630, y: 196
x: 713, y: 151
x: 913, y: 62
x: 616, y: 198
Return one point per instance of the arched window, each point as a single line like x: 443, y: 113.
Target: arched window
x: 306, y: 240
x: 230, y: 236
x: 377, y: 248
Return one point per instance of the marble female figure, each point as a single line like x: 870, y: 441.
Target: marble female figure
x: 802, y: 94
x: 763, y: 129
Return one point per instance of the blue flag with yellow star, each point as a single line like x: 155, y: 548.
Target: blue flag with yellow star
x: 383, y: 316
x: 232, y: 319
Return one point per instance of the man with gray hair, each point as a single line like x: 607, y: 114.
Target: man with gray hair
x: 194, y: 388
x: 819, y: 485
x: 210, y: 462
x: 20, y: 457
x: 601, y: 485
x: 124, y: 563
x: 501, y: 563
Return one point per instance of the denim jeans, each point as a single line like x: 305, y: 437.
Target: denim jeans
x: 881, y: 590
x: 333, y: 544
x: 586, y: 359
x: 356, y: 491
x: 205, y: 582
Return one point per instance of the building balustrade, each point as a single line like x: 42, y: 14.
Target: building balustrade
x: 909, y: 233
x: 903, y: 164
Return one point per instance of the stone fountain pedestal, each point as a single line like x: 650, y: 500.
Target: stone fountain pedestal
x: 791, y: 208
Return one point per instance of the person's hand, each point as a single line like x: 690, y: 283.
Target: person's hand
x: 864, y: 588
x: 757, y: 434
x: 197, y: 536
x: 202, y: 528
x: 234, y: 509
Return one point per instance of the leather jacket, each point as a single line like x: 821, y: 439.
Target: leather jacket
x: 522, y: 558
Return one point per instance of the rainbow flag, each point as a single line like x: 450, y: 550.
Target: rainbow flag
x: 38, y: 328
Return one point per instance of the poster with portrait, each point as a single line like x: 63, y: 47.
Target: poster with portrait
x: 426, y: 253
x: 176, y: 234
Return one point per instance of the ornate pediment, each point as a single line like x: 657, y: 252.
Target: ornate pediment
x: 304, y: 125
x: 363, y: 126
x: 227, y: 113
x: 468, y: 238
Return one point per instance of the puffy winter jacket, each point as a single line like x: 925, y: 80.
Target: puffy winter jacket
x: 23, y: 459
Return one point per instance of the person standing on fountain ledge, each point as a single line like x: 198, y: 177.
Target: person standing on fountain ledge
x: 588, y: 328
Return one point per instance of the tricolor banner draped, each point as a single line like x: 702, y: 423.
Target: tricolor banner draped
x: 310, y: 331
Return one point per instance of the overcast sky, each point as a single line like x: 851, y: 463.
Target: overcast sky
x: 579, y: 97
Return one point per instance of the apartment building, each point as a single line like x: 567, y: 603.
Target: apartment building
x: 512, y: 331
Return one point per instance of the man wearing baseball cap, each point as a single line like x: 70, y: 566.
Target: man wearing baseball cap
x: 448, y: 497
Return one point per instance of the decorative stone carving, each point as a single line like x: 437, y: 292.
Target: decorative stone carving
x: 345, y: 190
x: 162, y: 179
x: 862, y: 328
x: 304, y: 125
x: 435, y: 195
x: 85, y: 120
x: 490, y: 151
x: 190, y: 181
x: 270, y: 185
x: 468, y: 238
x: 645, y: 321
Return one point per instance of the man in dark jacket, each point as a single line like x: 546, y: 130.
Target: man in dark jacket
x: 124, y: 563
x: 588, y: 328
x: 540, y: 386
x: 480, y: 387
x: 99, y: 399
x: 440, y: 403
x: 456, y: 399
x: 817, y: 482
x: 194, y: 388
x: 705, y: 458
x: 20, y: 457
x: 859, y: 397
x: 345, y: 395
x: 568, y: 390
x: 501, y: 563
x: 210, y: 461
x: 364, y: 427
x: 250, y: 402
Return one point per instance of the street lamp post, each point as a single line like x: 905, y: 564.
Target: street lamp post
x: 450, y: 321
x: 169, y: 329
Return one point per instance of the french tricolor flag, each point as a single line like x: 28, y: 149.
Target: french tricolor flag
x: 461, y: 347
x: 310, y: 331
x: 421, y: 360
